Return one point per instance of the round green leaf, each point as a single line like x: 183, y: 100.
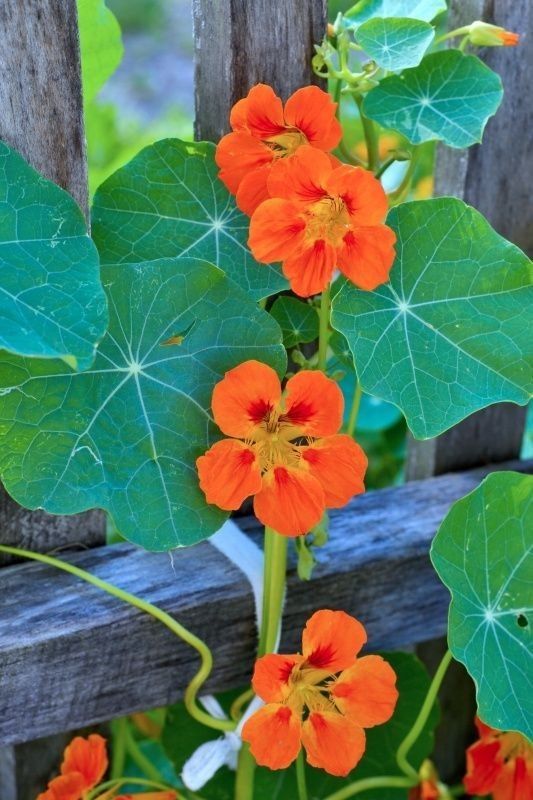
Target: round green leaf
x: 483, y: 554
x: 297, y: 320
x: 52, y: 304
x: 168, y: 201
x: 449, y: 96
x: 395, y: 44
x: 125, y: 435
x: 451, y: 332
x: 101, y: 47
x: 425, y: 10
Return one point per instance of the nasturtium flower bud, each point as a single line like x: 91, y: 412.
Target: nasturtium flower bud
x: 483, y: 34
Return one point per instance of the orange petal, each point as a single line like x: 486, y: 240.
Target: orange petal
x: 238, y: 118
x: 264, y: 116
x: 332, y: 742
x: 332, y: 639
x: 300, y: 176
x: 237, y: 155
x: 339, y: 464
x: 484, y: 765
x: 65, y: 787
x: 88, y: 757
x: 273, y: 734
x: 253, y: 190
x: 312, y: 111
x: 291, y: 501
x: 309, y: 271
x: 276, y: 230
x: 271, y: 676
x: 362, y: 193
x: 243, y: 398
x: 366, y: 692
x: 313, y: 403
x: 229, y: 473
x: 515, y: 781
x: 367, y: 255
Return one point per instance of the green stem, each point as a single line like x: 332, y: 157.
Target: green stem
x: 138, y: 758
x: 399, y: 194
x: 354, y: 411
x: 371, y: 137
x: 235, y: 711
x: 423, y: 714
x: 371, y: 783
x: 452, y: 34
x: 118, y: 761
x: 300, y: 777
x: 323, y: 331
x: 386, y: 164
x: 201, y: 648
x: 273, y: 593
x: 116, y: 784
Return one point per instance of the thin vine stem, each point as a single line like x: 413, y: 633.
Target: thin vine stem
x: 301, y: 782
x: 235, y: 711
x: 399, y: 194
x: 118, y: 761
x: 138, y: 758
x: 354, y: 410
x: 371, y: 137
x: 423, y: 714
x: 323, y: 331
x: 117, y: 783
x: 180, y: 631
x: 365, y: 784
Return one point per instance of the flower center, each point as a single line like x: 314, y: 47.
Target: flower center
x: 328, y: 219
x: 308, y: 690
x: 286, y: 143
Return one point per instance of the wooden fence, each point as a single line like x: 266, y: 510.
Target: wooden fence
x: 71, y: 656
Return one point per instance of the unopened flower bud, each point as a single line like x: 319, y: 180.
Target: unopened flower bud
x: 483, y: 34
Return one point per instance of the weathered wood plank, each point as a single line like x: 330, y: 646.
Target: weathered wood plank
x: 495, y: 177
x: 41, y: 115
x: 70, y: 655
x: 239, y: 43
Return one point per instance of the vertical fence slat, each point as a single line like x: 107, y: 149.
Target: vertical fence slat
x: 239, y: 43
x: 41, y: 116
x: 495, y: 177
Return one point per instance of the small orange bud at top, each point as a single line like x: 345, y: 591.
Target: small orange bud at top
x: 483, y: 34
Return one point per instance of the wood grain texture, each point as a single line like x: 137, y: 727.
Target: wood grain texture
x: 494, y: 177
x: 41, y: 110
x: 70, y: 655
x: 239, y: 43
x: 41, y: 115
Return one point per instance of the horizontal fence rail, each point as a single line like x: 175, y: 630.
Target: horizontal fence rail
x: 70, y: 655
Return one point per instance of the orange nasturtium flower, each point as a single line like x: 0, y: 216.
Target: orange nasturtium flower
x: 322, y: 699
x: 84, y: 765
x: 321, y: 217
x: 284, y: 450
x: 264, y: 131
x: 500, y: 764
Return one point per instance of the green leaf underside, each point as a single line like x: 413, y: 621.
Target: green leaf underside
x: 169, y: 201
x: 379, y: 757
x: 450, y: 333
x: 298, y: 321
x: 101, y: 47
x: 395, y: 44
x: 52, y: 304
x: 424, y: 10
x: 125, y: 435
x: 449, y: 97
x: 483, y: 554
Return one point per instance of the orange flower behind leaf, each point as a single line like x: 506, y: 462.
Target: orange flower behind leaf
x: 263, y: 131
x: 322, y: 699
x: 284, y: 450
x: 84, y: 765
x: 500, y: 764
x: 322, y: 217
